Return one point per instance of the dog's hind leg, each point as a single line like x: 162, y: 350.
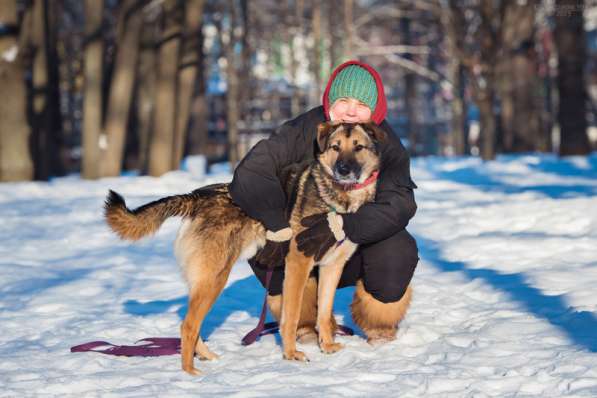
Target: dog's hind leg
x: 298, y: 268
x: 205, y: 289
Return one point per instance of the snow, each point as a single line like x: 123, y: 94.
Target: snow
x: 504, y: 302
x: 11, y: 53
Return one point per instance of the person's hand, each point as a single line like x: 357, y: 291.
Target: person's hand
x: 276, y: 248
x: 324, y: 230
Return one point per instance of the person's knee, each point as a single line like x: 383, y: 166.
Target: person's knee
x: 390, y: 293
x: 389, y: 267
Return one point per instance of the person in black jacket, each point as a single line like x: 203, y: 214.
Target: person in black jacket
x: 383, y: 265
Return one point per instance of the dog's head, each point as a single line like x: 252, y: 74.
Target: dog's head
x: 349, y: 151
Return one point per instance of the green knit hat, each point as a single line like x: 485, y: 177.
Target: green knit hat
x: 354, y: 82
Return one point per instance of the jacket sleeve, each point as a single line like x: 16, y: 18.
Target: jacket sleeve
x: 256, y: 186
x: 392, y: 209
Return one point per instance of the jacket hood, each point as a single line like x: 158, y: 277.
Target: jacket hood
x: 381, y: 107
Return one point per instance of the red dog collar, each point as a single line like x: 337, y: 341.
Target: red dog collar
x: 351, y: 187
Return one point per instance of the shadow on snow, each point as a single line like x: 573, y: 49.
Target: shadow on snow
x: 579, y: 326
x: 242, y: 295
x: 487, y: 181
x: 247, y: 294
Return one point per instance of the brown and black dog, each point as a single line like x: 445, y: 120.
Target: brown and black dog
x: 216, y: 233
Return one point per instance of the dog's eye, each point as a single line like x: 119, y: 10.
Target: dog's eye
x: 336, y: 148
x: 358, y: 148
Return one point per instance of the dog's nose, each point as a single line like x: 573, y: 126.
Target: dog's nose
x: 343, y: 168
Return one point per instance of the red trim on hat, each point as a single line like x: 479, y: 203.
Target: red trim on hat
x: 381, y: 107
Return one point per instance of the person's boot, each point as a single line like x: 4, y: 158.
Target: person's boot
x: 305, y: 332
x: 378, y: 320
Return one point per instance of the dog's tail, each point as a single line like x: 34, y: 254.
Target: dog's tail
x: 147, y: 219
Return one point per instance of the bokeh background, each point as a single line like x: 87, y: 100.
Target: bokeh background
x: 104, y: 87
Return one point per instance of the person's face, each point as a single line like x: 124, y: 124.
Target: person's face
x: 350, y: 110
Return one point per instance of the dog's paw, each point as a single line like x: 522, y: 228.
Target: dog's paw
x: 377, y: 341
x: 381, y: 336
x: 330, y: 348
x: 207, y: 355
x: 296, y: 356
x: 192, y: 371
x: 306, y: 335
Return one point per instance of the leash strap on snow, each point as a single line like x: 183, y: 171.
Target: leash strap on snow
x: 263, y: 328
x: 158, y: 346
x: 153, y: 347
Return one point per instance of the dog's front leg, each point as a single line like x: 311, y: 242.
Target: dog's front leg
x: 330, y: 270
x: 298, y: 268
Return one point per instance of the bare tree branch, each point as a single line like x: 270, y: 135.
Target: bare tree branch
x: 414, y: 67
x: 392, y: 49
x: 399, y: 60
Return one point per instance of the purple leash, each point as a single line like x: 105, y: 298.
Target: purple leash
x: 154, y: 347
x: 159, y: 346
x: 260, y: 329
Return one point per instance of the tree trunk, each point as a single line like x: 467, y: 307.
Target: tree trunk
x: 187, y: 74
x: 316, y: 57
x: 92, y: 99
x: 348, y: 29
x: 458, y: 105
x: 198, y: 139
x: 245, y: 76
x: 410, y: 93
x: 297, y: 27
x: 485, y: 100
x: 519, y: 86
x: 232, y: 111
x: 146, y: 91
x: 570, y: 42
x: 198, y: 136
x: 121, y: 89
x: 548, y: 113
x: 15, y: 158
x: 489, y: 40
x: 453, y: 22
x: 38, y: 35
x: 162, y: 143
x: 57, y: 166
x: 333, y: 10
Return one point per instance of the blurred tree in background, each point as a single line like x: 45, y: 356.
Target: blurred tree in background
x: 571, y: 46
x: 93, y: 72
x: 102, y: 86
x: 15, y: 157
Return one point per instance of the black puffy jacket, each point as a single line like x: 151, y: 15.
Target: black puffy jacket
x: 257, y: 189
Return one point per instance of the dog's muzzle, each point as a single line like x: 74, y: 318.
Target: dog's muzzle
x: 346, y: 172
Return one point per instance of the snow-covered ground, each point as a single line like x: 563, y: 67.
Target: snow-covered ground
x: 505, y: 297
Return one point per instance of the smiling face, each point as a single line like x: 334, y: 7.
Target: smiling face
x: 349, y: 110
x: 349, y: 152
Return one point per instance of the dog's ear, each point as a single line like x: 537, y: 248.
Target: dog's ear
x: 324, y: 130
x: 376, y: 133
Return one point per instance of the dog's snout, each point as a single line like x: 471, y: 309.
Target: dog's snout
x: 343, y: 168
